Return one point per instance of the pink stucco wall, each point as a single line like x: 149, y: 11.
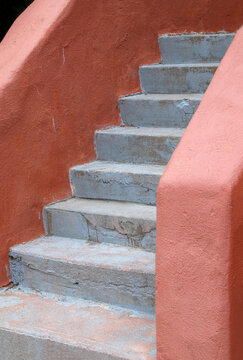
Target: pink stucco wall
x: 199, y: 298
x: 63, y: 66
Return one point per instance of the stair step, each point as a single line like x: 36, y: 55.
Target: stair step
x: 165, y: 110
x: 38, y: 327
x: 115, y: 222
x: 118, y: 275
x: 137, y: 145
x: 194, y: 48
x: 116, y: 181
x: 180, y: 78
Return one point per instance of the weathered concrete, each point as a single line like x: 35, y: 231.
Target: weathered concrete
x: 194, y: 48
x: 123, y: 276
x: 165, y: 110
x: 137, y: 145
x: 39, y: 328
x: 121, y: 223
x: 116, y: 181
x: 181, y: 78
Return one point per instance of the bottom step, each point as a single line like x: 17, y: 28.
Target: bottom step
x: 33, y: 327
x: 107, y: 273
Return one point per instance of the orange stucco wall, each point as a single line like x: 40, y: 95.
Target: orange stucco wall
x: 63, y: 66
x: 199, y: 251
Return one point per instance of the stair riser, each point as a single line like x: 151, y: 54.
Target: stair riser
x: 138, y: 188
x: 101, y: 228
x: 194, y: 49
x: 16, y: 345
x: 122, y: 288
x: 135, y: 149
x: 178, y: 79
x: 157, y: 113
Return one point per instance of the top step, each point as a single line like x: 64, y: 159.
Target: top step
x: 194, y: 48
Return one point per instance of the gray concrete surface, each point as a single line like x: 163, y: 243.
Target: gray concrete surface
x: 181, y: 78
x: 137, y: 145
x: 116, y: 181
x: 122, y: 276
x: 194, y: 48
x: 159, y: 110
x: 115, y: 222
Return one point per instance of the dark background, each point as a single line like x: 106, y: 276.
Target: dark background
x: 9, y: 11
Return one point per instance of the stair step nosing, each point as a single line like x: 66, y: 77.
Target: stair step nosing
x: 81, y: 208
x: 24, y: 250
x: 161, y: 97
x: 199, y: 35
x: 181, y: 65
x: 156, y: 132
x: 100, y: 166
x: 86, y: 265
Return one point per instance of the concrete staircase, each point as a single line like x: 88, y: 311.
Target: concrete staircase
x: 87, y: 289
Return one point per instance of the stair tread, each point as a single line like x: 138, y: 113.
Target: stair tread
x: 116, y: 222
x: 80, y: 326
x: 182, y: 65
x: 109, y: 166
x: 162, y: 97
x: 194, y: 48
x: 86, y: 253
x: 143, y: 131
x: 117, y: 181
x: 152, y: 145
x: 196, y: 35
x: 106, y: 207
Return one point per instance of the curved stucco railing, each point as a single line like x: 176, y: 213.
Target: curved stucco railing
x: 199, y: 268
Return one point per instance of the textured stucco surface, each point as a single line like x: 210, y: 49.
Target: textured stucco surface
x: 199, y: 270
x: 63, y: 66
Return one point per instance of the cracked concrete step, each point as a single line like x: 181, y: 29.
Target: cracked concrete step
x: 118, y: 275
x: 116, y: 181
x: 173, y: 79
x: 36, y: 327
x: 165, y: 110
x: 115, y: 222
x: 194, y: 48
x: 137, y: 145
